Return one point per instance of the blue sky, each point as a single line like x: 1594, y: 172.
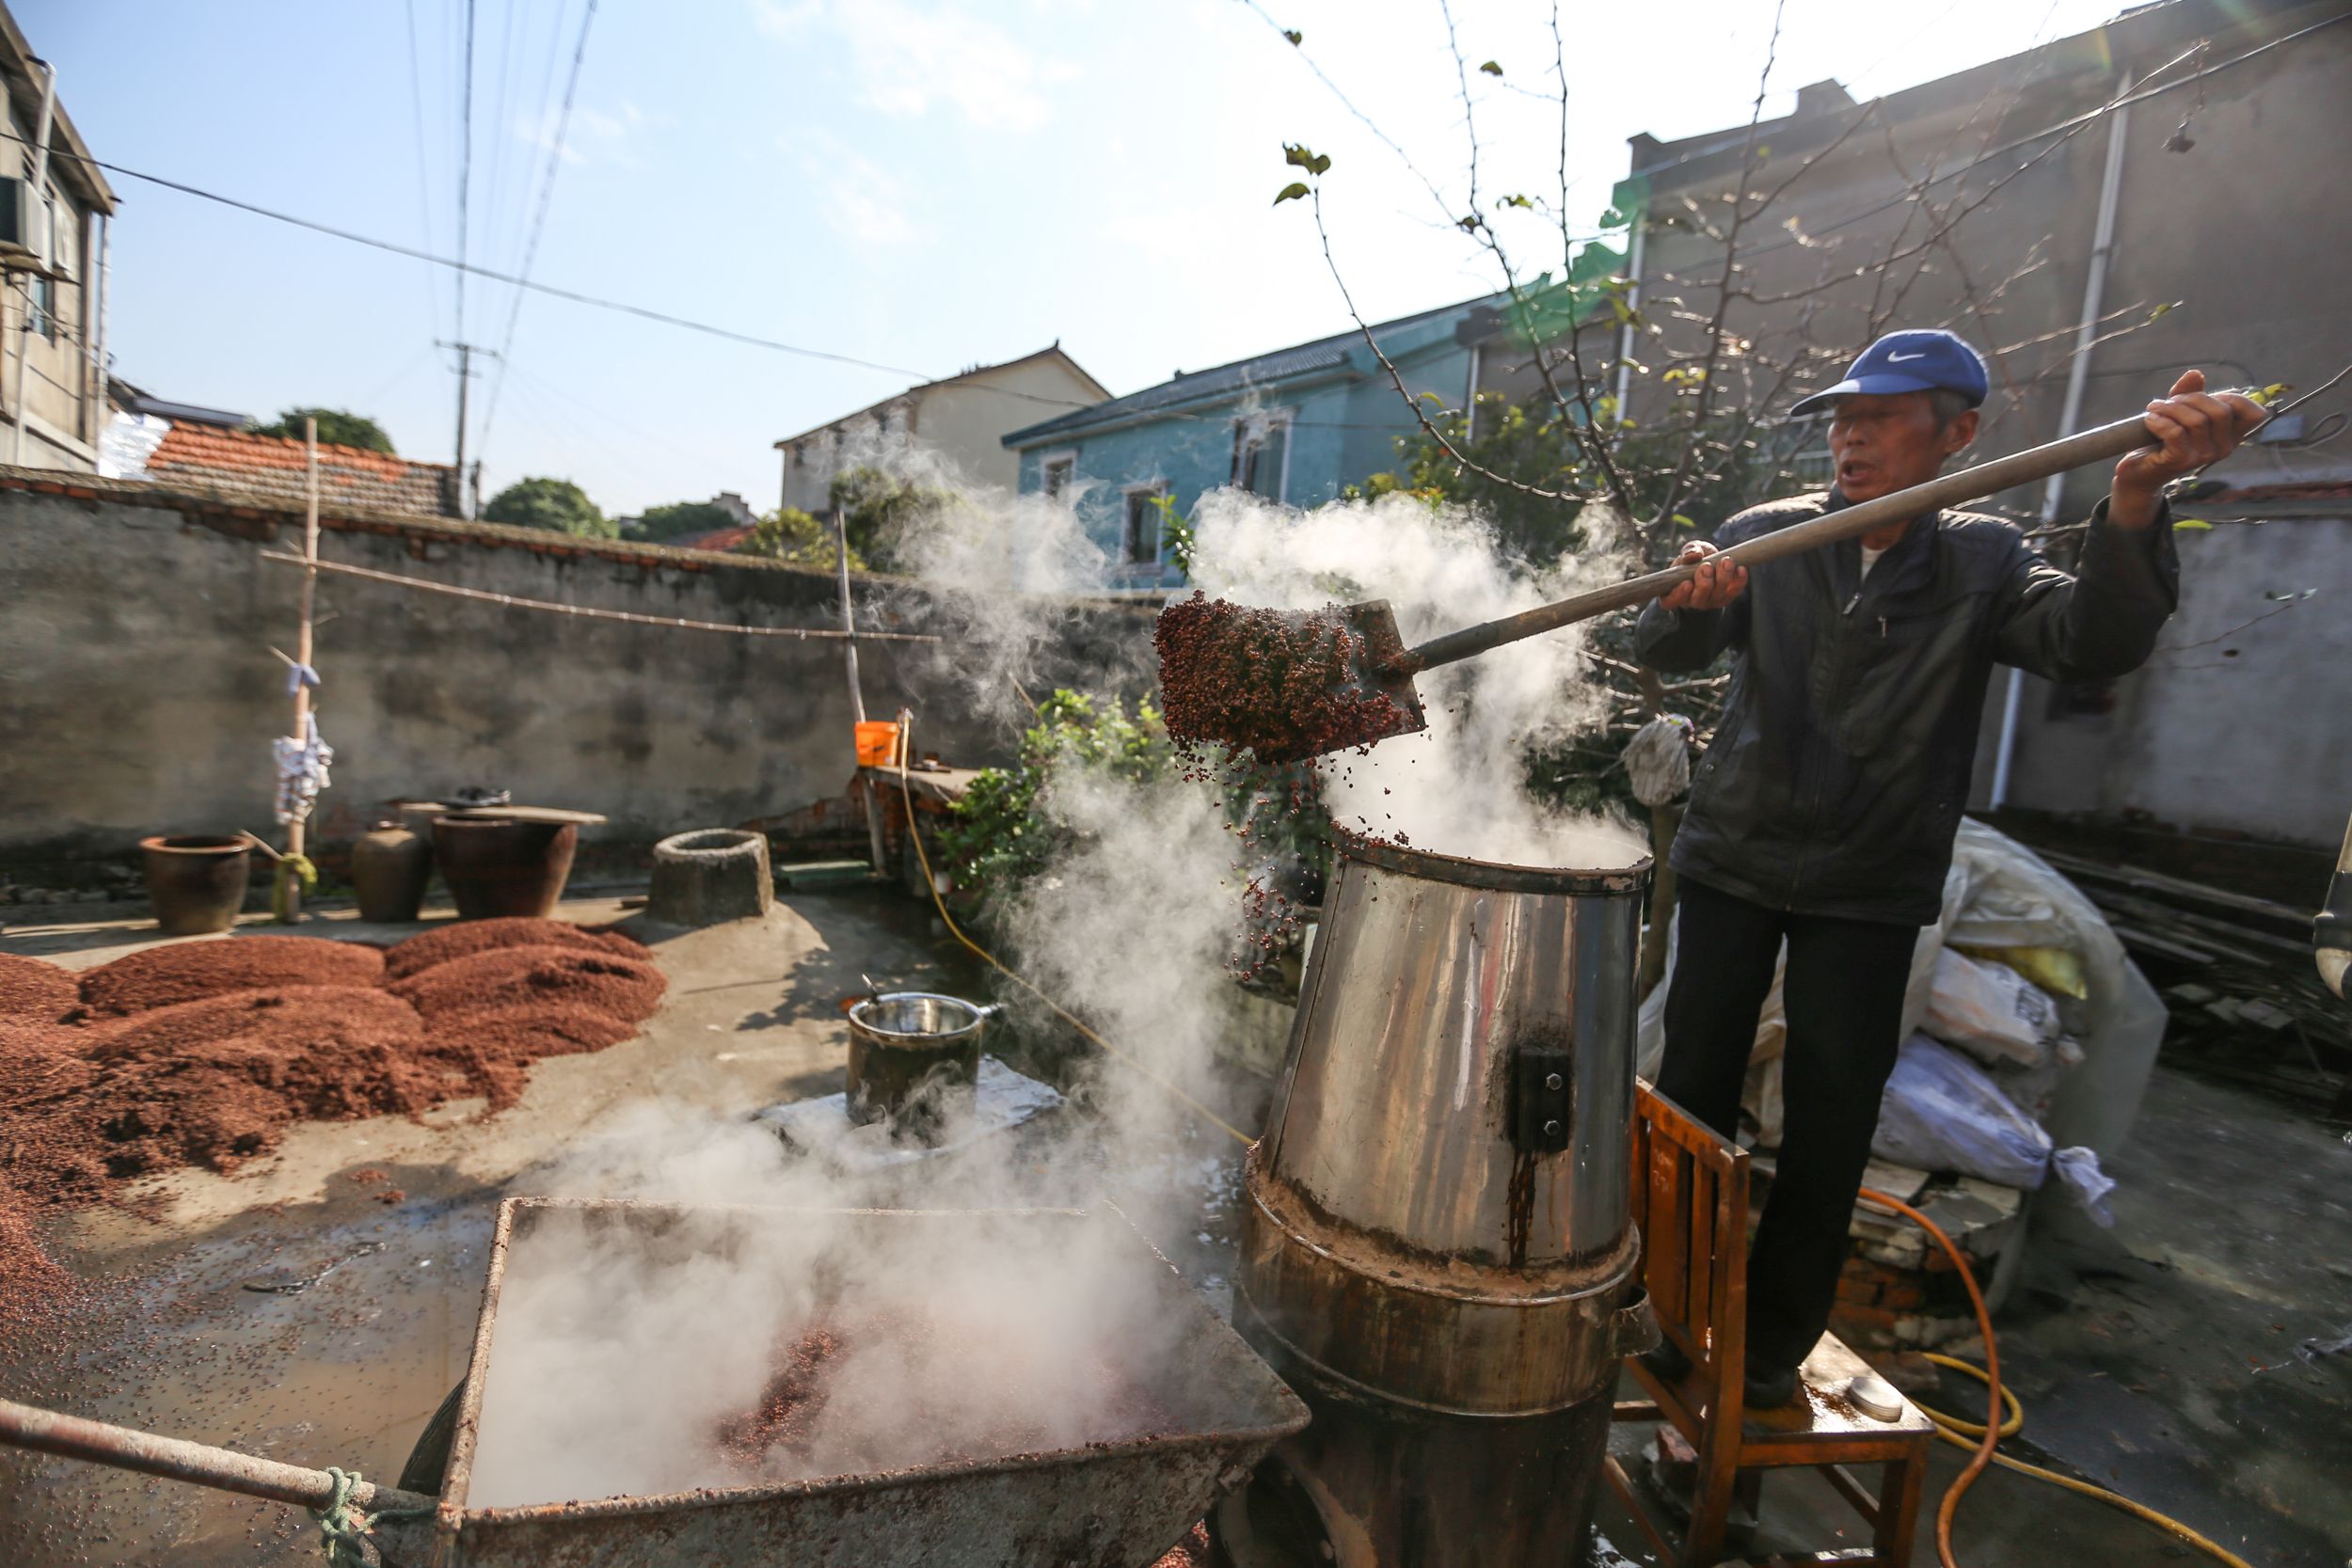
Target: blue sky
x: 923, y: 184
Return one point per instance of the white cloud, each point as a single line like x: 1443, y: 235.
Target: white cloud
x: 784, y: 18
x: 859, y: 198
x: 906, y: 59
x: 593, y: 136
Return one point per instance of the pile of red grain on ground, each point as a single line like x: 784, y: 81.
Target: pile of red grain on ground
x: 205, y: 1053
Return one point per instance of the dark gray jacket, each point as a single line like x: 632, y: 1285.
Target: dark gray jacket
x: 1835, y: 780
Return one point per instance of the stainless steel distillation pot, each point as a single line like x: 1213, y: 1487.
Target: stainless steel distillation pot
x: 1436, y: 1247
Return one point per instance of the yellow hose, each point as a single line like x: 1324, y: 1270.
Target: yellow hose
x: 906, y: 794
x: 1971, y: 1435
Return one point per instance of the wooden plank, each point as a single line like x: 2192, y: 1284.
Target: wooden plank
x: 2147, y: 942
x: 2180, y: 887
x: 1706, y: 1240
x: 1637, y: 1183
x: 2194, y: 928
x: 1670, y: 1226
x: 557, y: 815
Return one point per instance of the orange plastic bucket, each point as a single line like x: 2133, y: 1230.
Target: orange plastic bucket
x: 877, y: 743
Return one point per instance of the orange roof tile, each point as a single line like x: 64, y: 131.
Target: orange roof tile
x: 241, y: 460
x: 717, y: 539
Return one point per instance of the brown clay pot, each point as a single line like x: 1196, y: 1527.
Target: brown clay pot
x: 495, y: 866
x: 197, y: 882
x: 390, y: 868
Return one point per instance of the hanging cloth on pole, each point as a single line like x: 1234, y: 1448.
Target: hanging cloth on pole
x: 302, y: 765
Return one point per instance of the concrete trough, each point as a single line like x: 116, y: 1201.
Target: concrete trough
x: 1118, y: 1503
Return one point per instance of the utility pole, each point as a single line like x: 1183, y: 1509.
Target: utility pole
x: 290, y: 901
x: 465, y: 374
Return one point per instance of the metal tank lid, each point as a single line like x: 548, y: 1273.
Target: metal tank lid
x: 1459, y: 869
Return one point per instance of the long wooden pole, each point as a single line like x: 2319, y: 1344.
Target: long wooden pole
x: 25, y: 1426
x: 297, y: 829
x: 1964, y: 484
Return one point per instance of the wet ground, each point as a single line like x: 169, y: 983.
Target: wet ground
x: 288, y: 1312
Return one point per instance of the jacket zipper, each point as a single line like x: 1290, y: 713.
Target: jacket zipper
x: 1836, y: 698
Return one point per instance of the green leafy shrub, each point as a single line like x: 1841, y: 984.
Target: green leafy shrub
x: 791, y: 534
x: 1002, y: 835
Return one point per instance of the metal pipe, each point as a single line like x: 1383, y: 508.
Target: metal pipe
x: 25, y: 1426
x: 40, y: 252
x: 849, y: 621
x: 97, y: 341
x: 1469, y: 402
x: 2070, y: 417
x: 1633, y: 306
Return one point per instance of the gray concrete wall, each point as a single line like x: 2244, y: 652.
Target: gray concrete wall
x: 2237, y: 723
x: 138, y: 694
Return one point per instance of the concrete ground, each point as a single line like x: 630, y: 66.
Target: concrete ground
x: 2170, y: 1370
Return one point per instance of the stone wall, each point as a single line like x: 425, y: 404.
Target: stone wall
x: 138, y: 692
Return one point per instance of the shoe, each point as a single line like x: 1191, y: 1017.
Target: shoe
x: 1666, y: 1363
x: 1768, y: 1387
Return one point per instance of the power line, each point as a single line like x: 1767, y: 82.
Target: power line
x: 539, y: 219
x: 493, y: 275
x: 465, y: 172
x: 425, y: 183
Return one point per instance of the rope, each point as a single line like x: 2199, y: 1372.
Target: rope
x: 343, y: 1529
x: 1997, y: 1425
x: 632, y: 617
x: 906, y: 793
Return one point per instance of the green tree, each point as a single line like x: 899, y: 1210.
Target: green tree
x: 338, y: 427
x: 681, y: 520
x: 791, y: 534
x: 878, y: 508
x: 1531, y: 446
x: 550, y: 503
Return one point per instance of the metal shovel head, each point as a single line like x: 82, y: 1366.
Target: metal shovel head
x: 1118, y: 1502
x: 1381, y: 676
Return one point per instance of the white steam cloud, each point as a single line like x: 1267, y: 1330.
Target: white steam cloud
x: 618, y: 1360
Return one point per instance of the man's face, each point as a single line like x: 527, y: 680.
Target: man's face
x: 1886, y: 441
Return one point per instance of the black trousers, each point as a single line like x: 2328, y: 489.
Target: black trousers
x: 1844, y: 998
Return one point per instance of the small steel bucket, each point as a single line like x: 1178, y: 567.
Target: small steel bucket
x: 913, y: 1050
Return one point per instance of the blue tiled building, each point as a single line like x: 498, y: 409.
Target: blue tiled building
x: 1295, y: 426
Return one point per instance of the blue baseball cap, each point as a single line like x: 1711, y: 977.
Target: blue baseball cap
x: 1927, y: 361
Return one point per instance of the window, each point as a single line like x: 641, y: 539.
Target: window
x: 1261, y: 454
x: 800, y: 457
x: 1140, y: 545
x: 1055, y: 472
x: 40, y: 294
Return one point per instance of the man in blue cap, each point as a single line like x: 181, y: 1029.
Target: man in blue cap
x: 1825, y: 812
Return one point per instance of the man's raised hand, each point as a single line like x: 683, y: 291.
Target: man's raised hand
x: 1714, y: 585
x: 2196, y: 428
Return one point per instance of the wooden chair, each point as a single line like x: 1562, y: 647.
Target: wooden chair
x: 1691, y: 1200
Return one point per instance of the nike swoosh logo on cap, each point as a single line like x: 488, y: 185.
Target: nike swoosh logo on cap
x: 1894, y: 359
